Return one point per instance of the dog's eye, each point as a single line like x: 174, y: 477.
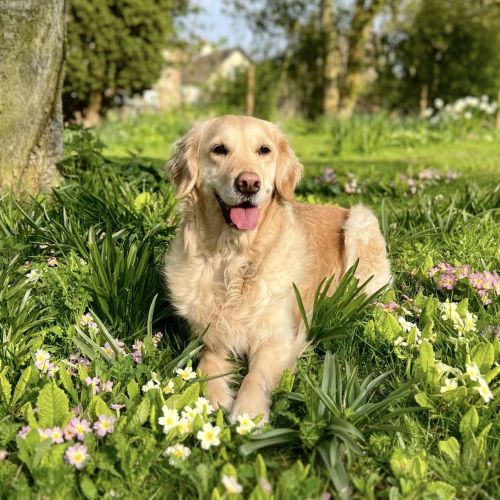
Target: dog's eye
x: 264, y: 150
x: 219, y: 149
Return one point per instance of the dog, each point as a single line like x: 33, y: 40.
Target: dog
x: 243, y: 242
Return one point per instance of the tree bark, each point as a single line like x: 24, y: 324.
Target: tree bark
x: 332, y: 61
x: 31, y: 72
x: 250, y: 93
x: 498, y: 110
x: 357, y: 38
x: 424, y: 99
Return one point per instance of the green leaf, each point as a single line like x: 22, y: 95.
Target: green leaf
x: 89, y: 489
x: 451, y: 448
x: 418, y: 467
x: 469, y: 423
x: 133, y: 390
x: 424, y: 401
x: 492, y: 374
x: 5, y: 389
x: 68, y: 384
x: 439, y: 490
x: 140, y: 415
x: 483, y: 355
x: 187, y: 398
x: 21, y: 384
x: 100, y: 407
x: 53, y: 406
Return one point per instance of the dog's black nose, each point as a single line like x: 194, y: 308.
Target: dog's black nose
x: 247, y: 183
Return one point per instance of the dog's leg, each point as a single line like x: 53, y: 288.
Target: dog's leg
x: 265, y: 370
x: 217, y: 390
x: 365, y: 242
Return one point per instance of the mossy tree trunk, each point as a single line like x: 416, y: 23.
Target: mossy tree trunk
x: 31, y: 71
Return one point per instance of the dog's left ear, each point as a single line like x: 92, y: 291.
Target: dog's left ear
x: 289, y: 169
x: 182, y: 168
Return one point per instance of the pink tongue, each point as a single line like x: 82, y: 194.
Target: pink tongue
x: 244, y: 218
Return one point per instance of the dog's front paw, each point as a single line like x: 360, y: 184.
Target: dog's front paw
x: 253, y: 401
x: 219, y: 394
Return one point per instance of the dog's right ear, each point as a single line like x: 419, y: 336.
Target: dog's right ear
x: 183, y: 168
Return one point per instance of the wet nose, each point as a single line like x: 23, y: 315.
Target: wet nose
x: 247, y: 183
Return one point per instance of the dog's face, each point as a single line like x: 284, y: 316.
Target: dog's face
x: 237, y: 163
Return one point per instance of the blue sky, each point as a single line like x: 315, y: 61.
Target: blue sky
x: 216, y: 26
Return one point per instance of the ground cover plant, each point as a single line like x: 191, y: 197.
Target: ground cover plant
x: 397, y: 396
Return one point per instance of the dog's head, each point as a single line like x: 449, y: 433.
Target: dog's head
x: 241, y: 163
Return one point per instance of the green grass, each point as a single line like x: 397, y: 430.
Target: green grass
x: 364, y: 416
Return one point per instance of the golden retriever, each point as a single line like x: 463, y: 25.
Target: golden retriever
x: 243, y: 242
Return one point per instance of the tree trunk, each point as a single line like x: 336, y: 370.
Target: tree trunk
x: 358, y: 38
x: 424, y: 100
x: 250, y: 93
x: 498, y: 110
x: 31, y: 72
x: 332, y: 61
x: 92, y: 114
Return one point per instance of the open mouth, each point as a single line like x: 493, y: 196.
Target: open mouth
x: 244, y: 216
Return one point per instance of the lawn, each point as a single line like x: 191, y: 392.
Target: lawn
x: 396, y: 398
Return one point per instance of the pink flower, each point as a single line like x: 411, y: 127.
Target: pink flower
x: 23, y: 431
x: 105, y: 425
x: 94, y: 382
x: 77, y: 455
x: 78, y: 428
x: 447, y: 281
x: 107, y: 386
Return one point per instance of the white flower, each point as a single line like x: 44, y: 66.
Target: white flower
x: 190, y: 413
x: 473, y: 372
x: 484, y: 390
x: 176, y: 453
x: 170, y: 419
x: 52, y: 369
x: 186, y: 373
x: 33, y: 275
x: 204, y: 404
x: 246, y: 424
x: 169, y: 387
x: 438, y: 102
x: 407, y: 325
x: 185, y: 425
x: 449, y: 385
x: 231, y: 484
x: 150, y: 384
x: 400, y: 341
x: 209, y: 436
x: 428, y: 112
x: 468, y: 115
x: 42, y: 360
x: 449, y: 311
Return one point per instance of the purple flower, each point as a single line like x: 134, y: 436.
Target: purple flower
x: 447, y: 281
x: 94, y: 382
x: 23, y: 431
x: 78, y: 428
x: 105, y: 425
x: 107, y: 386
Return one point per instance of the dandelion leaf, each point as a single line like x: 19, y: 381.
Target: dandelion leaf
x: 53, y: 406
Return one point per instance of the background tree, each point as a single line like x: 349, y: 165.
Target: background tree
x: 114, y: 49
x: 31, y: 69
x: 439, y: 49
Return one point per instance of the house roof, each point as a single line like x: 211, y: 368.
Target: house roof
x: 200, y: 68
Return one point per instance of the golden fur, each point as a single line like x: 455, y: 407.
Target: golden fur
x: 240, y: 281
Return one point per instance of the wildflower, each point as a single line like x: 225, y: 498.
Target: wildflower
x: 150, y: 384
x: 484, y: 390
x: 55, y: 434
x: 78, y: 428
x: 108, y: 350
x: 400, y: 341
x: 156, y: 338
x: 23, y: 431
x: 186, y: 373
x: 42, y: 360
x: 169, y: 387
x: 76, y: 455
x: 43, y: 433
x: 33, y: 275
x: 190, y: 413
x: 107, y: 386
x: 117, y: 406
x: 447, y: 281
x: 202, y: 404
x: 105, y: 425
x: 3, y: 455
x: 449, y: 311
x: 170, y: 419
x: 185, y: 425
x: 246, y: 424
x: 52, y: 369
x: 137, y: 353
x: 94, y: 383
x: 265, y: 485
x: 438, y: 103
x: 406, y: 325
x: 52, y: 261
x: 473, y: 372
x: 209, y: 436
x: 449, y: 385
x: 231, y: 484
x: 176, y: 453
x: 87, y: 321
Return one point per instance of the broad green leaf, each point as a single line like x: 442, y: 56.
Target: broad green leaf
x: 5, y: 388
x: 133, y: 390
x: 439, y: 490
x: 483, y: 355
x: 424, y: 401
x: 21, y: 384
x: 100, y: 407
x: 89, y: 489
x: 469, y: 423
x: 492, y: 374
x: 68, y: 384
x: 140, y: 415
x: 52, y: 405
x: 187, y: 398
x: 417, y: 467
x: 426, y: 357
x: 451, y: 448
